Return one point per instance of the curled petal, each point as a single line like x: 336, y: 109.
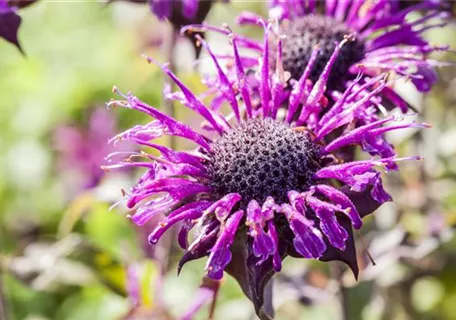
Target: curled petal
x: 152, y: 208
x: 224, y: 84
x: 187, y: 212
x: 328, y: 222
x: 178, y: 189
x: 183, y: 233
x: 216, y: 121
x: 276, y: 259
x: 340, y: 199
x: 167, y: 125
x: 378, y: 192
x: 263, y: 245
x: 222, y: 208
x: 220, y: 254
x: 204, y: 295
x: 201, y: 246
x: 308, y: 240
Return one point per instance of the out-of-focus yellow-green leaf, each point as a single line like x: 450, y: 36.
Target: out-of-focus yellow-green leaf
x: 82, y: 204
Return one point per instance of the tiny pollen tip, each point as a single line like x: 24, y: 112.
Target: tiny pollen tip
x: 148, y: 59
x: 123, y: 192
x: 231, y: 37
x: 350, y: 37
x: 426, y: 125
x: 129, y: 216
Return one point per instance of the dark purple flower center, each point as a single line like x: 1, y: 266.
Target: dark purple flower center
x: 303, y: 34
x: 261, y: 158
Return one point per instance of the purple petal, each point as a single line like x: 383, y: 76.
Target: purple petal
x: 276, y: 259
x: 9, y: 24
x: 224, y: 84
x: 189, y: 211
x: 161, y: 8
x: 151, y: 208
x: 216, y: 121
x: 153, y: 130
x: 220, y: 254
x: 265, y: 91
x: 176, y: 187
x: 263, y: 244
x: 189, y: 8
x: 328, y: 222
x: 203, y: 296
x: 222, y: 208
x: 378, y: 193
x: 427, y: 77
x: 242, y: 81
x: 201, y: 246
x: 340, y: 199
x: 308, y: 240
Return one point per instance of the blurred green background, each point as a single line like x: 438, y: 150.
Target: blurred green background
x: 65, y: 256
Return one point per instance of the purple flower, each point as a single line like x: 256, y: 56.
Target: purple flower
x: 384, y: 40
x: 81, y: 150
x: 179, y: 12
x: 270, y: 182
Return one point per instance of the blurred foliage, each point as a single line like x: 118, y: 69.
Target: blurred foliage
x: 67, y: 258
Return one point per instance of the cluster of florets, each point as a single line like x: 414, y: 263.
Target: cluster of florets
x: 212, y: 186
x: 277, y: 180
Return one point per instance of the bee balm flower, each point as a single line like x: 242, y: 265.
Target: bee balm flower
x: 265, y: 186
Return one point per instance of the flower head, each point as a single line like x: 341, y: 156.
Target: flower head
x: 384, y: 39
x: 81, y: 150
x: 179, y: 12
x: 267, y: 185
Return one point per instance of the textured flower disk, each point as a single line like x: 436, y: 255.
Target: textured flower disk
x: 306, y: 33
x: 265, y: 187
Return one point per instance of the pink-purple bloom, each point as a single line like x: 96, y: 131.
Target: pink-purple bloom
x: 181, y: 12
x: 385, y: 40
x: 268, y: 181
